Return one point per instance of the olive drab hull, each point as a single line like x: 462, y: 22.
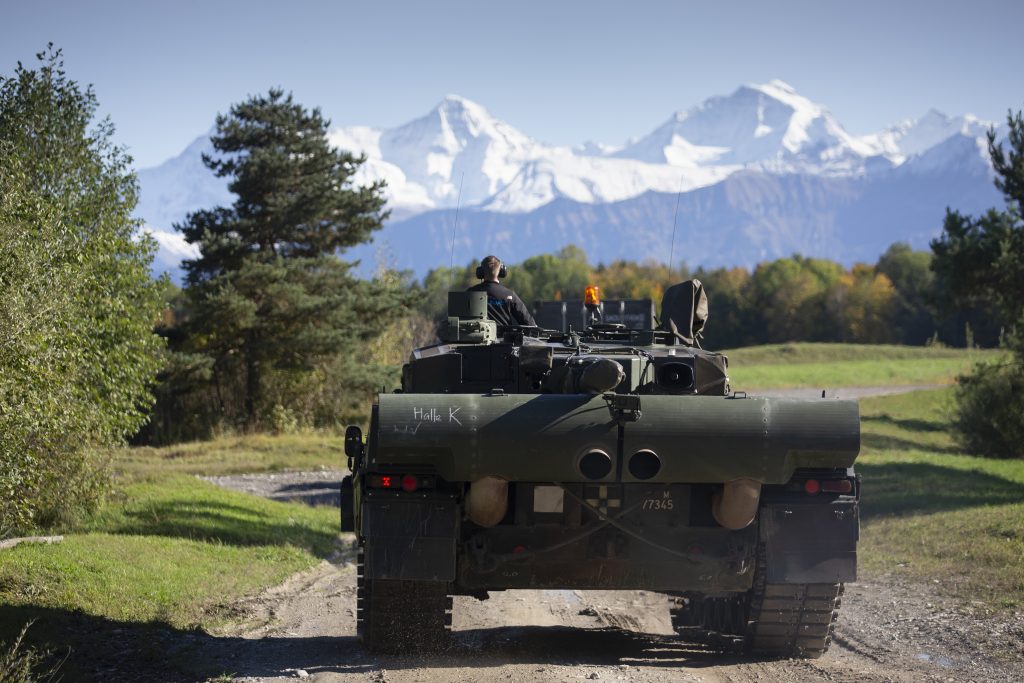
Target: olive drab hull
x: 608, y: 458
x: 700, y: 439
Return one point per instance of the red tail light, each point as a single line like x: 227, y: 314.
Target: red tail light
x: 812, y: 487
x: 380, y: 481
x: 405, y: 482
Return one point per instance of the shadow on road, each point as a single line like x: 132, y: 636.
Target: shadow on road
x: 100, y: 649
x: 312, y: 493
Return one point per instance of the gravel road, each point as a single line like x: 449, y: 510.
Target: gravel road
x: 887, y: 632
x: 305, y: 629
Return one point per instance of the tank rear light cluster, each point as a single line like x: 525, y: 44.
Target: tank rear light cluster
x: 813, y: 487
x: 401, y: 482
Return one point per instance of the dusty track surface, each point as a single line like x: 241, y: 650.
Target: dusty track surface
x: 306, y: 629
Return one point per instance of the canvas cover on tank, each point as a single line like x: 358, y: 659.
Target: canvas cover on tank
x: 684, y: 311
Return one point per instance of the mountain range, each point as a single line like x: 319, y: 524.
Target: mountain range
x: 757, y: 174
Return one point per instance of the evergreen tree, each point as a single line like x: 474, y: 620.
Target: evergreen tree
x: 268, y: 292
x: 980, y: 262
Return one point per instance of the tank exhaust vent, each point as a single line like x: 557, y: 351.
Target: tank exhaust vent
x: 644, y: 464
x: 595, y: 465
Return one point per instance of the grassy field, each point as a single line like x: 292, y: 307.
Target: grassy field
x: 845, y: 365
x: 237, y: 454
x: 169, y: 555
x: 169, y: 549
x: 933, y: 514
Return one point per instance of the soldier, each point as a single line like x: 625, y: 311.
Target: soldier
x: 503, y: 305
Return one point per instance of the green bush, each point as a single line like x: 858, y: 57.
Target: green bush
x: 77, y: 349
x: 989, y: 408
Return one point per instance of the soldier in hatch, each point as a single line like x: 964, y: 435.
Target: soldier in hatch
x: 503, y: 305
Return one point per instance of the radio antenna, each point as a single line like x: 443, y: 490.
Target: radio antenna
x: 458, y: 205
x: 675, y: 217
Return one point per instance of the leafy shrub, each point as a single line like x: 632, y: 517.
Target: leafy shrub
x: 283, y: 420
x: 77, y: 349
x: 989, y: 417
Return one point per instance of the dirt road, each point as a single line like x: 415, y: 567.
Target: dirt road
x: 305, y: 629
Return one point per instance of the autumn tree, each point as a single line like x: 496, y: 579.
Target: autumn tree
x: 860, y: 305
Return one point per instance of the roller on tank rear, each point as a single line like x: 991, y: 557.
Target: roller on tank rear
x: 603, y: 458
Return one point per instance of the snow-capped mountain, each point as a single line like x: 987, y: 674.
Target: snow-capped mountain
x: 772, y: 141
x: 180, y: 185
x: 769, y: 125
x: 911, y: 137
x: 169, y: 192
x: 457, y: 146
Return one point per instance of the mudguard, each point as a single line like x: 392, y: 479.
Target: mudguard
x: 811, y: 542
x: 413, y: 537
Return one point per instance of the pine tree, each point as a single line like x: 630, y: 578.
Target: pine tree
x: 268, y: 291
x: 981, y: 260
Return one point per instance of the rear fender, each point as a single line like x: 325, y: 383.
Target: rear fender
x: 811, y: 542
x: 409, y: 538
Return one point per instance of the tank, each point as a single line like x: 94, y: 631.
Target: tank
x: 601, y: 458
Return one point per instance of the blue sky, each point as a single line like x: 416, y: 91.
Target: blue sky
x: 563, y: 72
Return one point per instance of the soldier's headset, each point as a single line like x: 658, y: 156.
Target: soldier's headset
x: 483, y: 271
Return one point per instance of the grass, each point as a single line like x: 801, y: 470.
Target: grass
x: 168, y: 557
x: 20, y: 663
x: 844, y: 365
x: 165, y: 560
x: 931, y: 513
x: 169, y: 549
x: 237, y: 454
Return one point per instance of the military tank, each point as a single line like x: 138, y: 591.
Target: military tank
x: 603, y: 458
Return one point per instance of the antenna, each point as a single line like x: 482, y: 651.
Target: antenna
x: 675, y: 216
x: 458, y: 205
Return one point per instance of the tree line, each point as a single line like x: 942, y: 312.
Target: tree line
x: 897, y: 300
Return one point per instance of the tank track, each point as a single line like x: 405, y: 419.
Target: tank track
x: 774, y: 620
x: 394, y: 617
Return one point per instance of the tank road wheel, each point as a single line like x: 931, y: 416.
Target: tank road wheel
x: 394, y: 617
x: 791, y: 619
